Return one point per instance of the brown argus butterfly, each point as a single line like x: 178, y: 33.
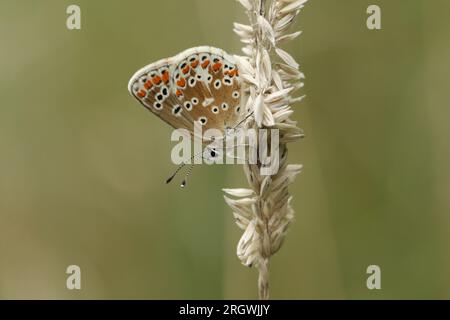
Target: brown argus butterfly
x: 198, y: 87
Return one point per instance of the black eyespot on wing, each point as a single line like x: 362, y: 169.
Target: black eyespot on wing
x: 188, y: 105
x: 177, y: 109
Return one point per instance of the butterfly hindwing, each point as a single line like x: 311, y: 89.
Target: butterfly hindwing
x: 208, y: 85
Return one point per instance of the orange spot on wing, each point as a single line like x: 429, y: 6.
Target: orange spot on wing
x: 185, y: 70
x: 179, y: 93
x: 216, y: 66
x: 205, y: 64
x: 148, y: 84
x: 181, y: 82
x: 194, y: 64
x: 165, y: 76
x: 142, y: 93
x: 232, y: 73
x: 156, y: 80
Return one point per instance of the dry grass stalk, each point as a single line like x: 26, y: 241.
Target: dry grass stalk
x: 264, y: 210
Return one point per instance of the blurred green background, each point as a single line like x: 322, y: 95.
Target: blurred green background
x: 82, y: 164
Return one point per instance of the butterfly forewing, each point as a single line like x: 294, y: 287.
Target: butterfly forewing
x: 198, y: 87
x: 153, y: 87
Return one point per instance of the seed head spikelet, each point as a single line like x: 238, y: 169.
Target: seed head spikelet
x: 271, y: 76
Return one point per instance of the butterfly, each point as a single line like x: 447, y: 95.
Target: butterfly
x: 200, y: 86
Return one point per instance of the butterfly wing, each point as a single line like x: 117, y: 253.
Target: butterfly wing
x: 152, y: 86
x: 207, y: 84
x: 198, y: 87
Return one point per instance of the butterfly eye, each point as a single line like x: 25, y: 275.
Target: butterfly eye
x: 215, y: 110
x: 217, y: 84
x: 235, y: 94
x: 224, y: 106
x: 188, y: 105
x: 228, y: 131
x: 203, y: 120
x: 194, y: 101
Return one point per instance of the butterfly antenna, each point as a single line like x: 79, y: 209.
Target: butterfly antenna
x: 181, y: 166
x: 184, y: 182
x: 243, y: 120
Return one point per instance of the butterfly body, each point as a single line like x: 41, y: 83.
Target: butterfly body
x: 197, y: 87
